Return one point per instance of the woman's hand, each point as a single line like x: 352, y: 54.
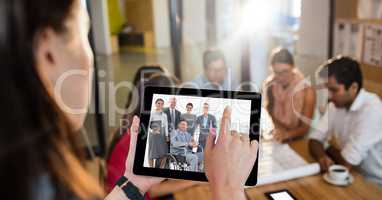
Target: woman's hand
x: 230, y: 161
x: 280, y: 135
x: 144, y: 183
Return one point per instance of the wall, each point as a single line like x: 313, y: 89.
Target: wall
x: 100, y: 26
x: 314, y: 29
x: 161, y: 23
x: 139, y: 14
x: 194, y: 22
x: 346, y: 9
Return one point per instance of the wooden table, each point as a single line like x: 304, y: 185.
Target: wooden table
x: 311, y: 187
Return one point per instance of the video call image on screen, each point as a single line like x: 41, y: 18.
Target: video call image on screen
x: 179, y: 126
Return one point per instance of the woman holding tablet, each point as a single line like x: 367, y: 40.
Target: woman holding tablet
x: 46, y: 65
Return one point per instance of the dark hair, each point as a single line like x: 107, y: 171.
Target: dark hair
x: 146, y: 69
x: 345, y: 70
x: 206, y: 104
x: 36, y: 138
x: 182, y: 120
x: 190, y: 104
x: 212, y: 55
x: 156, y: 79
x: 159, y: 100
x: 282, y: 55
x: 135, y: 100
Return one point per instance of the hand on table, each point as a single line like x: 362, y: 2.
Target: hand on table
x: 325, y: 162
x: 144, y: 183
x: 229, y: 162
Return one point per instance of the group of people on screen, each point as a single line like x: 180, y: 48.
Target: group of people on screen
x: 174, y: 133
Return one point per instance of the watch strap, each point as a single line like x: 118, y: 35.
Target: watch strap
x: 130, y: 190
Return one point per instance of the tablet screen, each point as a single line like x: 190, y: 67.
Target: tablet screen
x: 281, y: 196
x: 179, y: 126
x: 175, y: 124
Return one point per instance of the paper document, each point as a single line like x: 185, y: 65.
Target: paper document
x: 278, y: 162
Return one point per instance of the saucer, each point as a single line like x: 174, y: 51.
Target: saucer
x: 345, y: 182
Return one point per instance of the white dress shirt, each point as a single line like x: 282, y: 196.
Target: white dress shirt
x: 358, y: 133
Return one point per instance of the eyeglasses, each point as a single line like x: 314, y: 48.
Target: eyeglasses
x: 282, y: 72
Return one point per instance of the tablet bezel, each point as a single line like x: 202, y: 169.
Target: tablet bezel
x: 149, y: 91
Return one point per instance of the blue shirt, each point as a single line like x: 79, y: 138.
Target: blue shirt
x: 179, y: 142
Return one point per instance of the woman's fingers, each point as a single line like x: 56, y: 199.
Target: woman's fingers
x: 135, y: 124
x: 254, y: 146
x: 225, y: 123
x: 244, y: 137
x: 235, y: 134
x: 133, y: 136
x: 209, y: 144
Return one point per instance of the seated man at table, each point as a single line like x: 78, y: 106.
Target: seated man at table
x: 352, y: 124
x: 217, y: 75
x: 182, y: 144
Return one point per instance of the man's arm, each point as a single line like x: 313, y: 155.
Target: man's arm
x: 167, y: 134
x: 317, y: 150
x: 213, y: 119
x: 335, y: 154
x: 198, y: 121
x: 176, y: 143
x: 178, y: 114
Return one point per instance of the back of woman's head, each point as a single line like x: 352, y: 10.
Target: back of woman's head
x: 146, y: 71
x: 36, y: 139
x: 134, y: 105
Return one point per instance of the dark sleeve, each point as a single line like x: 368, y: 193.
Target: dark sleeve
x: 167, y: 112
x: 197, y: 121
x: 177, y: 117
x: 213, y: 118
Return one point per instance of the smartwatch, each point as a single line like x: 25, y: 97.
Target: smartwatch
x: 130, y: 190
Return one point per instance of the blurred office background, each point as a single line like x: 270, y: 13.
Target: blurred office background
x: 128, y: 34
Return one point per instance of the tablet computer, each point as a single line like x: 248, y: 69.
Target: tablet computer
x: 175, y: 123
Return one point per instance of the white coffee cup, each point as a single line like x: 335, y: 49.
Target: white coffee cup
x: 338, y: 172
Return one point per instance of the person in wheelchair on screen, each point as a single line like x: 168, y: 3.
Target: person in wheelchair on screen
x: 182, y: 144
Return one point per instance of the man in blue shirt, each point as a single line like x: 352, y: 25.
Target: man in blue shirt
x: 216, y: 76
x: 182, y: 144
x: 206, y: 122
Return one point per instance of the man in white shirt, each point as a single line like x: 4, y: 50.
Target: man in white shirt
x: 352, y: 125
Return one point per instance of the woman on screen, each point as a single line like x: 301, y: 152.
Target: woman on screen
x: 158, y: 135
